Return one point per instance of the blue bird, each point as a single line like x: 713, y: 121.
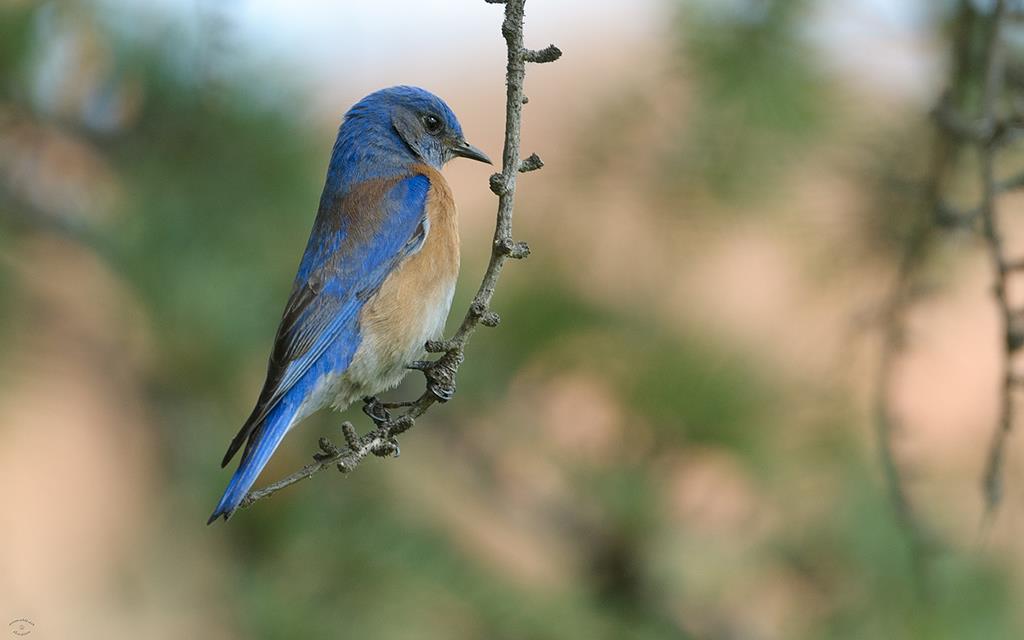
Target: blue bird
x: 377, y: 277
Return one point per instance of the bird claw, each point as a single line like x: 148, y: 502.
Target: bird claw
x: 441, y: 375
x: 442, y: 390
x: 376, y: 410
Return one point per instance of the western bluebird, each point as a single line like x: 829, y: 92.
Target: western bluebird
x: 377, y: 278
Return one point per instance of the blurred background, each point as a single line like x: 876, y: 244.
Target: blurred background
x: 672, y: 434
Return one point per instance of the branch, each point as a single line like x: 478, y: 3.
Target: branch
x: 950, y: 133
x: 895, y: 308
x: 988, y: 128
x: 1002, y: 266
x: 380, y: 441
x: 440, y: 374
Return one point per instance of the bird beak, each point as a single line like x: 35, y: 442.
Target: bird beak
x: 465, y: 150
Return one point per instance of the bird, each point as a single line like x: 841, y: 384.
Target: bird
x: 377, y: 277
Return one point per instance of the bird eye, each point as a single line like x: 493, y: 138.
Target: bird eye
x: 432, y: 124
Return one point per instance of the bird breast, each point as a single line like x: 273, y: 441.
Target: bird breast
x: 412, y: 304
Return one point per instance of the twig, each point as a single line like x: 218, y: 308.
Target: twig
x: 938, y: 215
x: 380, y: 441
x: 894, y: 311
x: 1001, y: 266
x: 440, y: 374
x: 886, y: 423
x: 988, y: 131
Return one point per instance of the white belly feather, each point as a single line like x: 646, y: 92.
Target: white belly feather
x: 383, y: 357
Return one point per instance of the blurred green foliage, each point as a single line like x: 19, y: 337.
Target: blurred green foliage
x: 759, y: 95
x: 222, y: 194
x: 15, y: 34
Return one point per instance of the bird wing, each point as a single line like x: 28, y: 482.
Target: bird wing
x: 357, y: 240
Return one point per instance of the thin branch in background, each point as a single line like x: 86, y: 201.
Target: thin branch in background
x: 440, y: 374
x: 1001, y: 265
x: 937, y: 216
x: 895, y: 307
x: 986, y: 128
x: 886, y: 424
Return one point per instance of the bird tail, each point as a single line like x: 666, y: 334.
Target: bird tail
x: 263, y: 443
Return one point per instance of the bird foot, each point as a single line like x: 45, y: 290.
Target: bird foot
x: 441, y: 375
x: 376, y: 410
x: 442, y: 390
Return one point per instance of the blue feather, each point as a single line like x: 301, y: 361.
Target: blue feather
x: 330, y: 320
x: 276, y: 426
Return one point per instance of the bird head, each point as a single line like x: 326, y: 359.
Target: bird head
x: 422, y: 122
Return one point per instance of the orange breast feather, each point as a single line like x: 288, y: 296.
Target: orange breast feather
x: 413, y: 302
